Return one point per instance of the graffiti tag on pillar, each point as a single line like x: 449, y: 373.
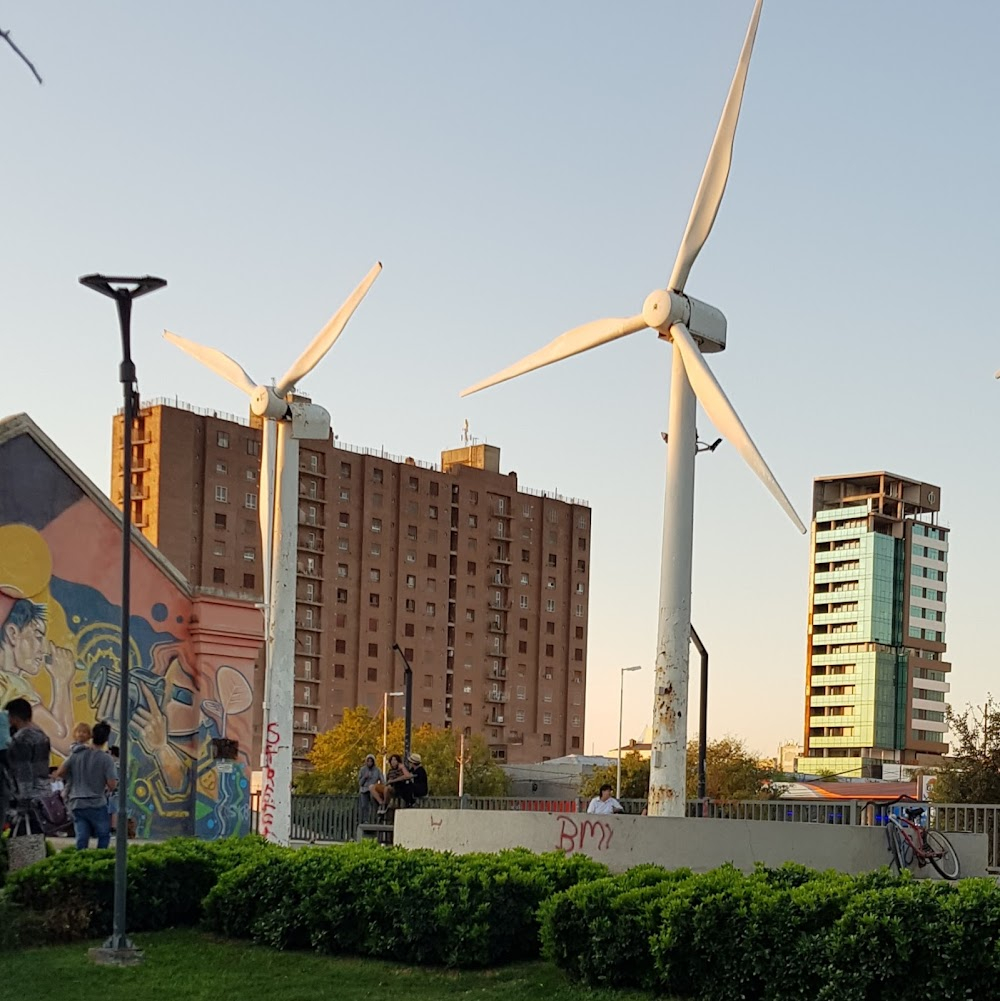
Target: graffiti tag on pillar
x: 267, y: 801
x: 580, y: 835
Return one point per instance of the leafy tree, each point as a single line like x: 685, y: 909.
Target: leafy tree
x: 337, y: 755
x: 731, y: 772
x: 972, y: 775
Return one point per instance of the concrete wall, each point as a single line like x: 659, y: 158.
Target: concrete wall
x: 621, y: 842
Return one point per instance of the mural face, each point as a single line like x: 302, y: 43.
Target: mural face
x: 60, y: 648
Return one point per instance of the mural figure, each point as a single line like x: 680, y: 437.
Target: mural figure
x: 60, y: 648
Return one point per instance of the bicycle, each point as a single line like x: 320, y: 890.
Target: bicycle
x: 909, y: 840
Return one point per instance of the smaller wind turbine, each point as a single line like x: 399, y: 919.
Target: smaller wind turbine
x: 694, y: 328
x: 286, y: 421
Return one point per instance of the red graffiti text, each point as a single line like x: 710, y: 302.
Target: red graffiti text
x: 577, y: 835
x: 268, y: 805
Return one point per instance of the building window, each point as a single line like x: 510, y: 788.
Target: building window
x: 473, y: 521
x: 252, y: 475
x: 344, y: 520
x: 220, y: 521
x: 310, y: 592
x: 522, y: 692
x: 432, y: 561
x: 411, y: 605
x: 338, y: 670
x: 340, y: 646
x: 525, y: 556
x: 248, y: 581
x: 218, y: 575
x: 547, y: 696
x: 470, y: 615
x: 550, y: 583
x: 522, y: 646
x: 552, y: 560
x: 376, y: 549
x: 377, y: 475
x: 372, y: 673
x: 341, y: 596
x: 307, y: 642
x: 524, y: 601
x: 579, y: 611
x: 373, y: 600
x: 249, y: 555
x: 345, y: 494
x: 411, y: 532
x: 253, y: 447
x: 550, y: 628
x: 411, y: 580
x: 429, y: 608
x: 408, y: 629
x: 376, y: 524
x: 372, y: 650
x: 470, y: 569
x: 580, y: 588
x: 411, y: 556
x: 550, y: 605
x: 375, y: 575
x: 546, y: 739
x: 345, y: 470
x: 343, y: 545
x: 432, y: 512
x: 522, y: 623
x: 220, y: 467
x: 222, y: 439
x: 222, y: 495
x: 550, y: 650
x: 373, y: 625
x: 310, y: 564
x: 219, y: 548
x: 250, y: 502
x: 577, y: 654
x: 466, y: 708
x: 341, y: 569
x: 408, y: 652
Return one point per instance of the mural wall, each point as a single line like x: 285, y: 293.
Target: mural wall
x: 191, y: 654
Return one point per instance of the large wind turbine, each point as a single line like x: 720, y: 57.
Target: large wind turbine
x: 285, y: 422
x: 694, y: 328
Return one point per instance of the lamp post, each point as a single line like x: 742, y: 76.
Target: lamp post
x: 621, y: 710
x: 702, y: 719
x: 408, y: 701
x: 118, y: 948
x: 385, y: 727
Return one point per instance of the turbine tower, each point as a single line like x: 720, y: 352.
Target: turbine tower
x: 694, y: 328
x: 286, y: 421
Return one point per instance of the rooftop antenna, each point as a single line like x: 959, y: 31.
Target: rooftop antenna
x: 465, y: 432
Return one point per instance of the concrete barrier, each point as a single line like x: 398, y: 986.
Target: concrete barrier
x: 621, y: 842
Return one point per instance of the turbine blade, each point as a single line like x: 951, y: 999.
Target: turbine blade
x: 573, y: 342
x: 326, y: 338
x: 265, y: 506
x: 219, y: 363
x: 721, y: 413
x: 713, y: 180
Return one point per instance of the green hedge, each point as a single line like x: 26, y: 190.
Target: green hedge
x: 411, y: 906
x: 71, y: 895
x: 786, y: 934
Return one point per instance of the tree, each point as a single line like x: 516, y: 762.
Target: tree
x: 972, y: 775
x: 337, y: 755
x: 732, y: 772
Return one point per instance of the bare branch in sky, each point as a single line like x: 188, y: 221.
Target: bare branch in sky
x: 28, y: 63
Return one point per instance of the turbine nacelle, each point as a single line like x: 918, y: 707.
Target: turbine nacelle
x: 706, y: 324
x: 265, y: 402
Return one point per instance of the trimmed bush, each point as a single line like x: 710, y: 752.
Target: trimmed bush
x: 412, y: 906
x: 788, y: 934
x: 71, y: 895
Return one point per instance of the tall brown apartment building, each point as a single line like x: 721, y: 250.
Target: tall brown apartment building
x: 483, y: 584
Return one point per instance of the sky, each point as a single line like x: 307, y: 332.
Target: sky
x: 520, y: 169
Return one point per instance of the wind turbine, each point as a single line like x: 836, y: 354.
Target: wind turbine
x: 286, y: 421
x: 694, y: 328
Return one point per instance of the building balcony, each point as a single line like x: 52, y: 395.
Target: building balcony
x: 496, y: 627
x: 515, y: 737
x: 500, y: 673
x: 501, y: 558
x: 310, y: 522
x: 495, y: 695
x: 495, y: 721
x: 312, y: 547
x: 299, y: 704
x: 493, y: 652
x: 501, y: 535
x: 299, y: 727
x: 500, y: 606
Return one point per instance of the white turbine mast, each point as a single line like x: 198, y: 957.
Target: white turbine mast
x: 286, y: 421
x: 694, y: 328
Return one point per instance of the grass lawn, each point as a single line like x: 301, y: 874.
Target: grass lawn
x: 191, y: 966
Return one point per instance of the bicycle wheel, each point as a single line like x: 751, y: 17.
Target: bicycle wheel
x: 947, y: 864
x: 895, y: 858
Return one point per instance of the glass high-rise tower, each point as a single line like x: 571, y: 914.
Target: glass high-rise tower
x: 876, y: 678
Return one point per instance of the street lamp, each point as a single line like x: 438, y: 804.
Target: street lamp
x: 621, y: 709
x: 118, y: 948
x: 385, y: 726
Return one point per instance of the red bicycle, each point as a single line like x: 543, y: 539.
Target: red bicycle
x: 909, y: 840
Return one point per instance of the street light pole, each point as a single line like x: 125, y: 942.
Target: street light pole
x: 621, y: 712
x: 385, y: 728
x: 119, y: 948
x: 408, y: 701
x: 702, y: 719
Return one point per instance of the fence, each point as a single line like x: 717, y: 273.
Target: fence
x: 336, y: 818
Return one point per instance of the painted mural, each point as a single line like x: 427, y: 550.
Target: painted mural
x: 191, y: 663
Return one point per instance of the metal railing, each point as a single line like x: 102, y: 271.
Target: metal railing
x: 336, y: 818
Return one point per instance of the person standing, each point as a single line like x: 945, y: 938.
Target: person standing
x: 605, y: 802
x: 92, y: 777
x: 27, y: 756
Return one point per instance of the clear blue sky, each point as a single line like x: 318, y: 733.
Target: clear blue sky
x: 521, y: 168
